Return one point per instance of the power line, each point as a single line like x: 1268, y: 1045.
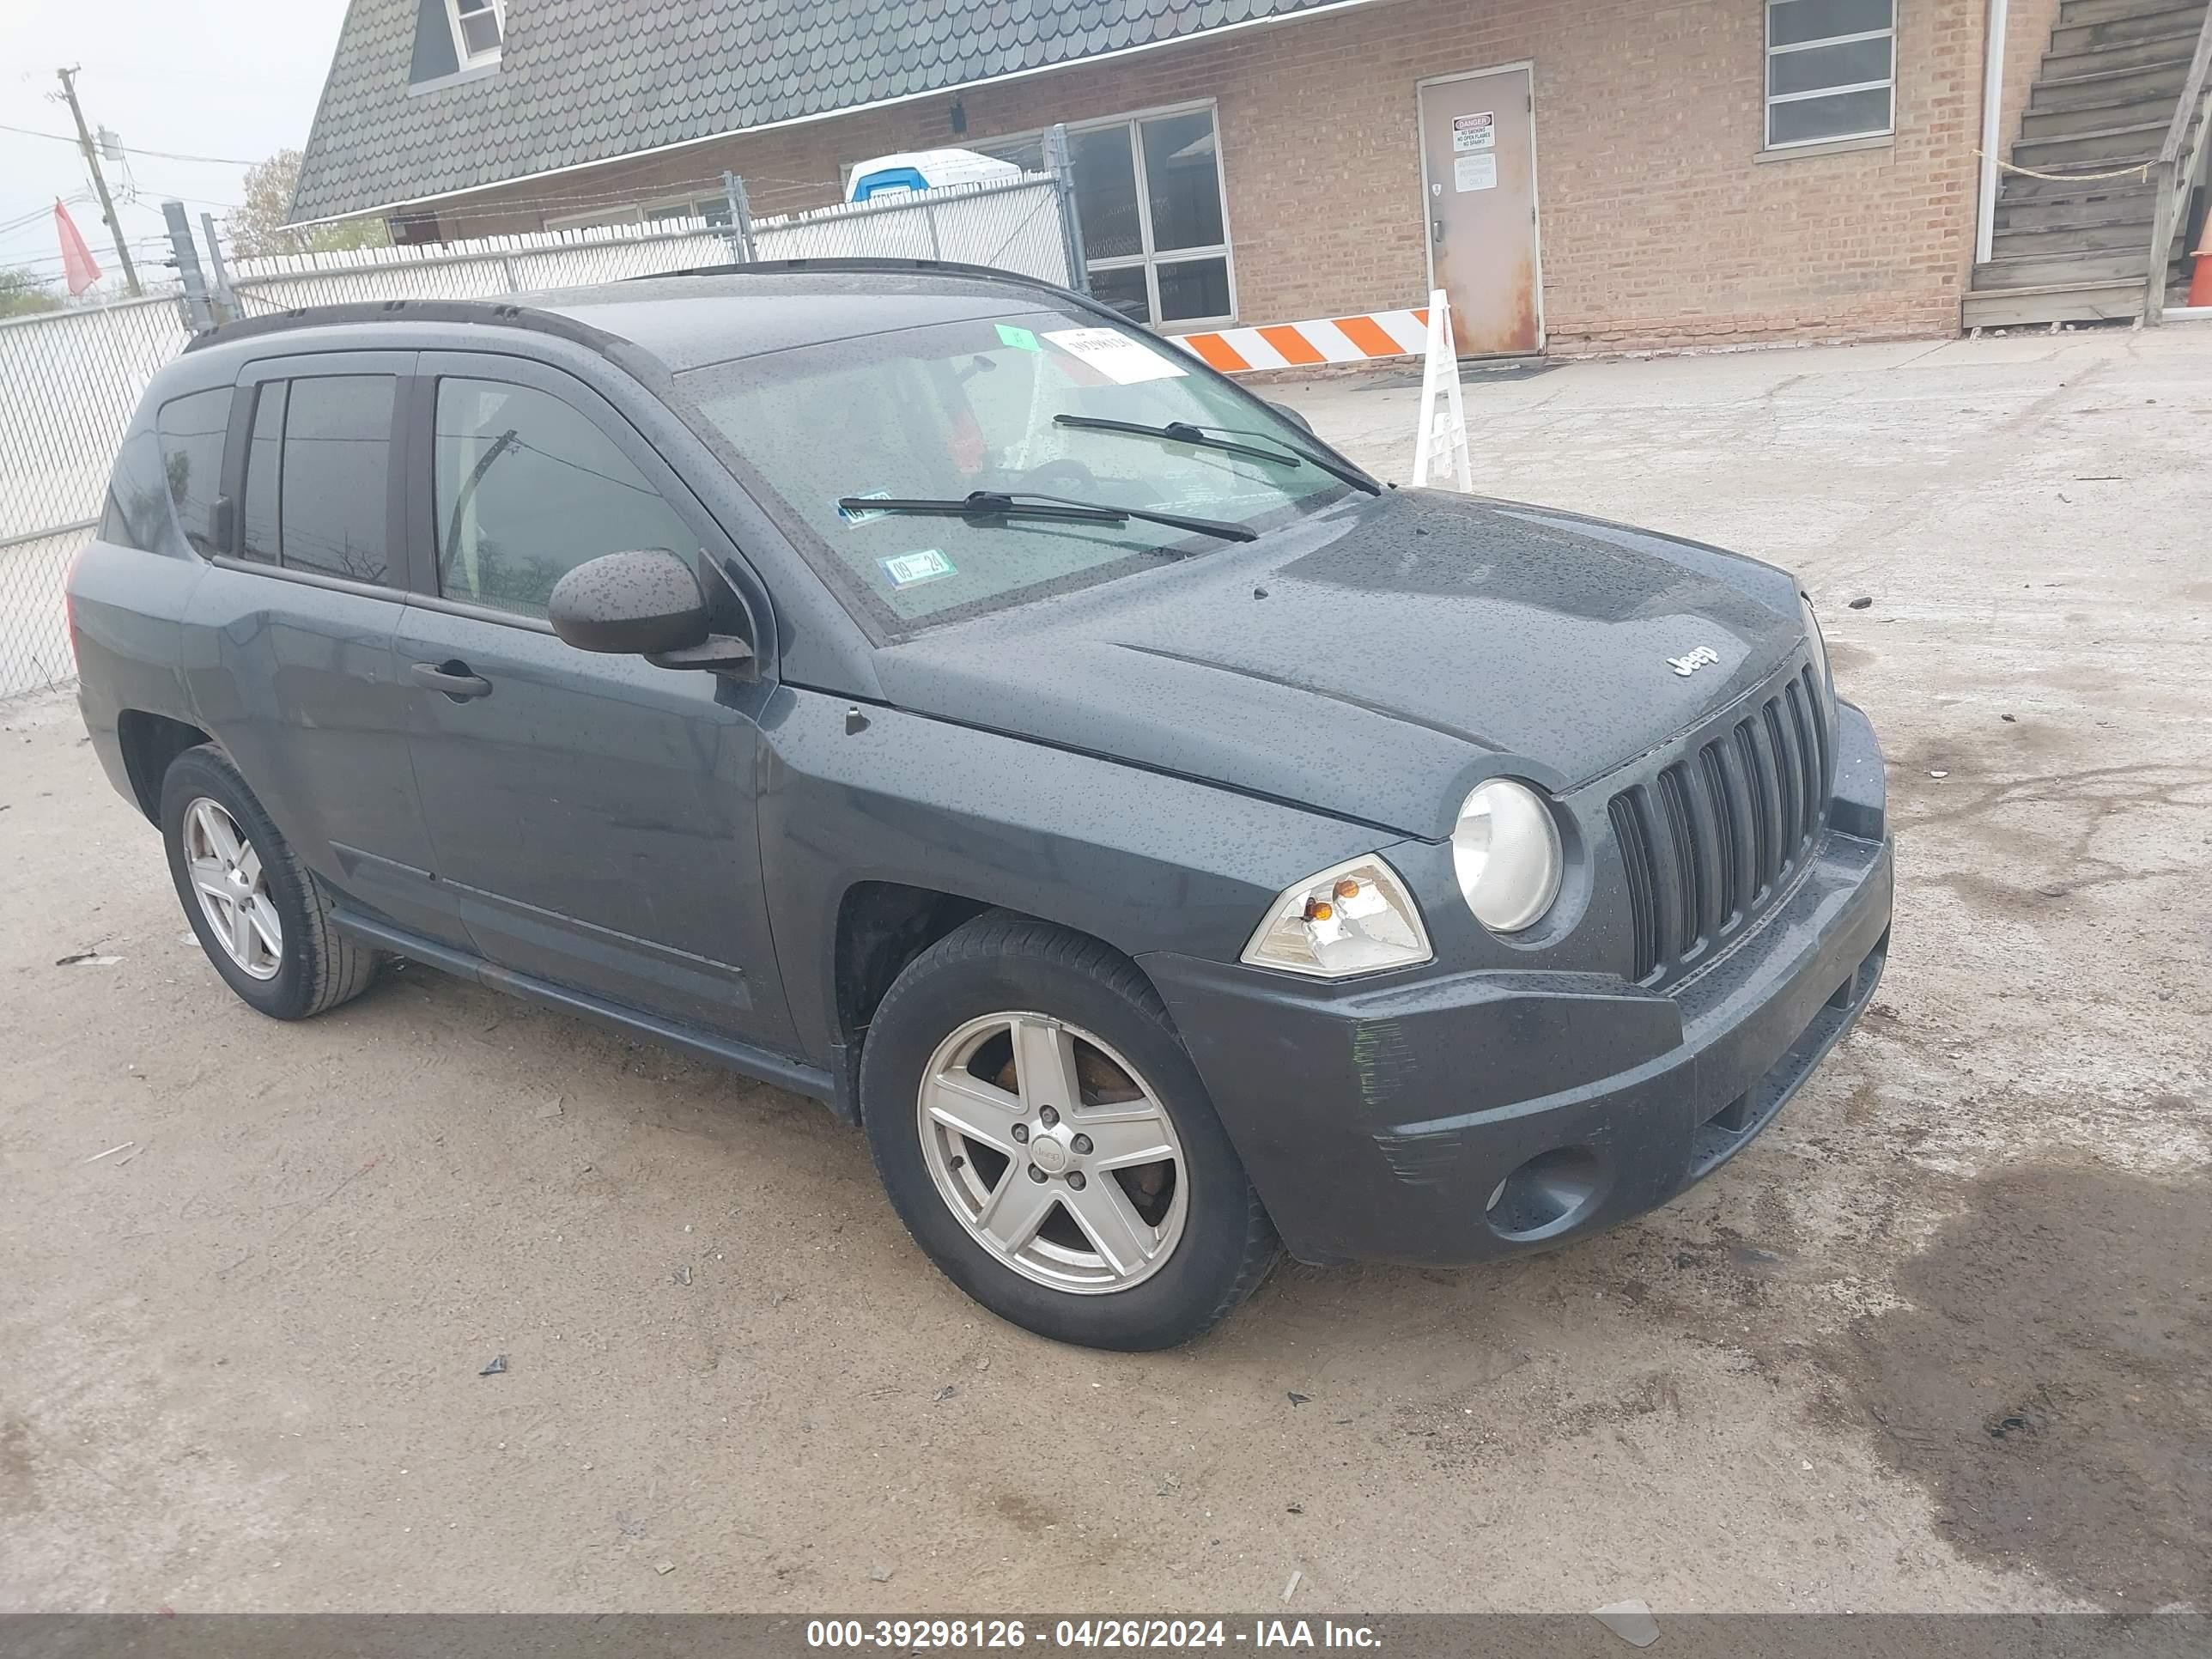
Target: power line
x: 133, y: 149
x: 36, y: 214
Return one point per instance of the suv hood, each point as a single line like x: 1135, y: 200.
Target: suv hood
x: 1374, y: 660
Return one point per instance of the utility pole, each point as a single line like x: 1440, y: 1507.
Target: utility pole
x: 99, y: 182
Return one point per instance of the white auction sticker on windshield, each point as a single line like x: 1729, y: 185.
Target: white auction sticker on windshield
x: 906, y: 570
x: 1121, y: 359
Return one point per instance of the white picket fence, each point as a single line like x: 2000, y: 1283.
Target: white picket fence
x: 70, y: 381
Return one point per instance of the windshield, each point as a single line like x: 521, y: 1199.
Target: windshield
x: 939, y: 413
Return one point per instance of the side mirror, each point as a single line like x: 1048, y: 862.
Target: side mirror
x: 1292, y: 416
x: 630, y: 604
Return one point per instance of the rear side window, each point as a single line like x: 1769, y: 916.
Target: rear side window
x: 318, y: 475
x: 139, y: 512
x: 527, y: 490
x: 192, y: 431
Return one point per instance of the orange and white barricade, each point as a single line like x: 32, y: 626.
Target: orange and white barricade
x: 1361, y: 338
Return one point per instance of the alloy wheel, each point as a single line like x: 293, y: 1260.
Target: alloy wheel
x: 232, y: 889
x: 1054, y: 1153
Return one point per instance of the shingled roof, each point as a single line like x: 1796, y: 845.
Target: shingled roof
x: 583, y: 80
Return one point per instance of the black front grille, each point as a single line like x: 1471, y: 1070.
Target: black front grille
x: 1720, y: 830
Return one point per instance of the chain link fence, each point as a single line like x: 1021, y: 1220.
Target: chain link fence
x: 1015, y: 225
x: 70, y: 382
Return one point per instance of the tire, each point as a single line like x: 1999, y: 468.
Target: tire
x: 1201, y: 1240
x: 311, y: 968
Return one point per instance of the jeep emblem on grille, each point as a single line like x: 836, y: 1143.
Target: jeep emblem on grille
x: 1691, y: 661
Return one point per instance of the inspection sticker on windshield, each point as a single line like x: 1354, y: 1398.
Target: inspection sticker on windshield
x: 1020, y: 339
x: 1121, y: 359
x: 861, y: 515
x: 906, y: 570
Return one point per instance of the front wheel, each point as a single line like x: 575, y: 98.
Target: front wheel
x: 1047, y: 1140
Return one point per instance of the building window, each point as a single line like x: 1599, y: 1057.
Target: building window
x: 478, y: 27
x: 1149, y: 195
x: 712, y: 211
x: 677, y: 214
x: 1831, y: 71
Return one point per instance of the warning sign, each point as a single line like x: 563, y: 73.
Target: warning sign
x: 1472, y: 132
x: 1476, y: 171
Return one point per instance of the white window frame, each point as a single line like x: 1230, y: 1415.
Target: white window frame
x: 1888, y: 83
x: 463, y: 56
x: 1152, y: 258
x: 639, y: 215
x: 606, y: 218
x: 690, y: 207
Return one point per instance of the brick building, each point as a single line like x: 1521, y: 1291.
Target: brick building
x: 1583, y: 174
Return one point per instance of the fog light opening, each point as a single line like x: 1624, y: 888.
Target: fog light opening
x: 1547, y: 1194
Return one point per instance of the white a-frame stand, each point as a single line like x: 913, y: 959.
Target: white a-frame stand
x: 1443, y: 435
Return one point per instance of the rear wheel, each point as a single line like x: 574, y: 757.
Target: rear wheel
x: 263, y: 919
x: 1045, y: 1136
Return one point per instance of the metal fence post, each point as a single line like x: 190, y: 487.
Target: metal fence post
x: 225, y: 295
x: 741, y: 214
x: 187, y: 261
x: 1061, y: 159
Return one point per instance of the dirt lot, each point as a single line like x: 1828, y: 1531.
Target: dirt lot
x: 1941, y: 1339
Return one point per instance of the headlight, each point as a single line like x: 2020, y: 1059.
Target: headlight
x: 1820, y: 643
x: 1356, y: 919
x: 1505, y: 851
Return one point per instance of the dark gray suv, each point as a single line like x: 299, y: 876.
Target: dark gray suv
x: 918, y: 687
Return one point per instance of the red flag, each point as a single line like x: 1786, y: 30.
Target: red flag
x: 79, y: 269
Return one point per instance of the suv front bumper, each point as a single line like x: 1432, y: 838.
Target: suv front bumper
x: 1472, y: 1115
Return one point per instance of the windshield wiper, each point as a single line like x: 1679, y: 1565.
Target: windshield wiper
x: 1003, y: 505
x: 1217, y: 437
x: 1180, y: 432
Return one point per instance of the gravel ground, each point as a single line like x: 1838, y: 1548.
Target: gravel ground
x: 1939, y: 1341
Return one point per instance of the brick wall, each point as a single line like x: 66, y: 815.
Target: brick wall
x: 1659, y: 226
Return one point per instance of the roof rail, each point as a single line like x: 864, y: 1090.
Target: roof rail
x: 505, y: 314
x: 499, y: 314
x: 862, y: 264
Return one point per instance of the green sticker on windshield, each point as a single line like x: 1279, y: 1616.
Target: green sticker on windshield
x: 908, y: 569
x: 1020, y: 339
x: 861, y: 515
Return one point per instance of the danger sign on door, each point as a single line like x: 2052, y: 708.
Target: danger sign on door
x: 1474, y: 132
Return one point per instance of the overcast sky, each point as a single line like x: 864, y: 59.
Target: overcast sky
x: 236, y: 79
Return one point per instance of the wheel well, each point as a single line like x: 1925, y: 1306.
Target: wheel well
x: 882, y: 926
x: 150, y: 743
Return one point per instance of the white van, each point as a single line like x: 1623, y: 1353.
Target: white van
x: 924, y: 169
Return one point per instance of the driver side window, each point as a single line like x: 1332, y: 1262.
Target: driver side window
x: 528, y: 488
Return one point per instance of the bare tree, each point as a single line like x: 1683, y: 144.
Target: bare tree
x: 258, y: 227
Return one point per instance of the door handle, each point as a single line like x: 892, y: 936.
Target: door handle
x: 452, y: 679
x: 1436, y: 232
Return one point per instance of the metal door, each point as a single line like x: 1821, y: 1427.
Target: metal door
x: 1479, y: 183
